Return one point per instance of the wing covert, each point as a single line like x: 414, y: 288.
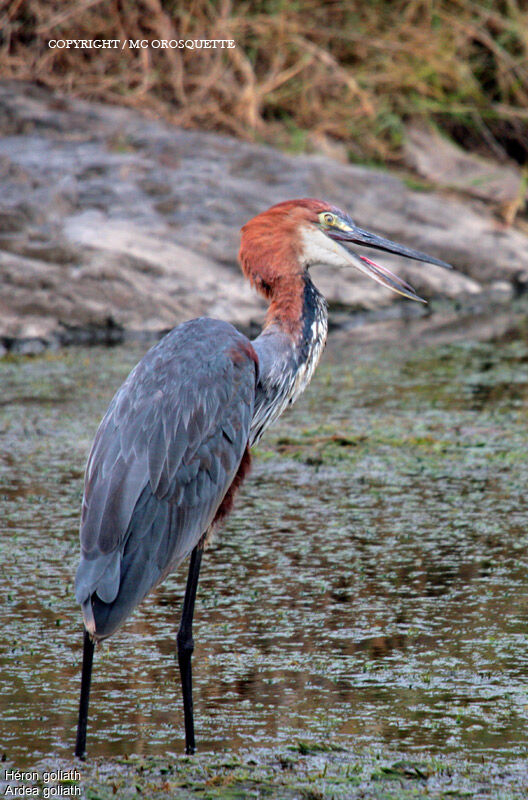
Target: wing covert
x: 163, y: 459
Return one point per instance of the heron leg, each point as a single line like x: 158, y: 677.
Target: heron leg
x: 88, y: 651
x: 186, y: 647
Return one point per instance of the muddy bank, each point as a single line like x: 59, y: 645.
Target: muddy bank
x: 112, y: 224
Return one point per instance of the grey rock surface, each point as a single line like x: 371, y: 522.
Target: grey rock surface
x: 111, y: 222
x: 439, y: 160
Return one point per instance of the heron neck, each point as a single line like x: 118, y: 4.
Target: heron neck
x: 294, y: 307
x: 286, y: 310
x: 288, y: 350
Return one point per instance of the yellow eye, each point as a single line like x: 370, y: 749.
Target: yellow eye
x: 328, y: 218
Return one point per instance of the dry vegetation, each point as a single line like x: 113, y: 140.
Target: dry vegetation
x: 302, y: 73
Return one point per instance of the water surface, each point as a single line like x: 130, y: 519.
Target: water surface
x: 370, y: 589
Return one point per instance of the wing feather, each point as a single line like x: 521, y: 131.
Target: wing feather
x: 162, y: 461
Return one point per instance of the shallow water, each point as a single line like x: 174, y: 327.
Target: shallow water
x: 370, y: 588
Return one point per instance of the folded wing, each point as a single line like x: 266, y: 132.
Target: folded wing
x: 161, y: 463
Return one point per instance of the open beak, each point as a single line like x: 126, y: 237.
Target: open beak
x: 349, y: 233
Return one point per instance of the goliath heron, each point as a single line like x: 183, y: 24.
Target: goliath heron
x: 174, y: 444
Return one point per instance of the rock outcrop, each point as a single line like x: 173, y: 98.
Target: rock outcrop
x: 112, y: 223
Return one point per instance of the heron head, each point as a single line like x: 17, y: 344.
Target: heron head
x: 296, y: 234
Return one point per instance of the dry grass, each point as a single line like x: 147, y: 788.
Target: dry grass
x: 302, y: 72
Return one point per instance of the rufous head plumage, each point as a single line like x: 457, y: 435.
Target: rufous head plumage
x: 280, y: 244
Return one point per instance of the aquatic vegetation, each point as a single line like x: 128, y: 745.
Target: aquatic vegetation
x: 368, y: 596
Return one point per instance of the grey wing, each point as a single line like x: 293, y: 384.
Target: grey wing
x: 162, y: 461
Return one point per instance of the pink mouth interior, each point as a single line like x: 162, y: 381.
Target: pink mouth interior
x: 388, y: 273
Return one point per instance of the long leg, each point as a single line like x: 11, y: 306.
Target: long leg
x: 88, y: 651
x: 186, y: 647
